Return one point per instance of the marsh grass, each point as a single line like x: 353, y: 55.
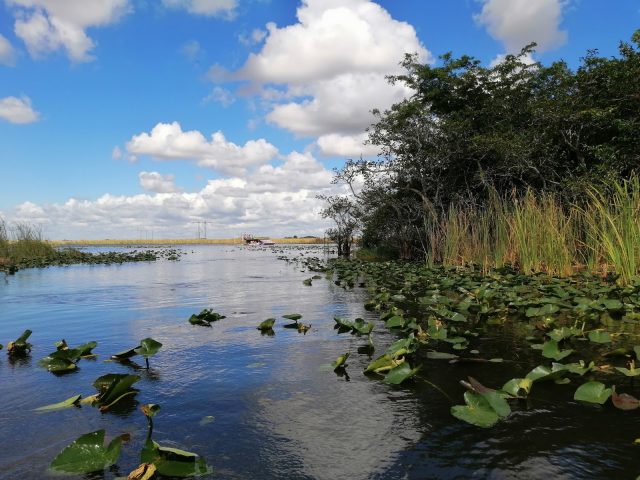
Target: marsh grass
x: 22, y: 242
x: 538, y: 233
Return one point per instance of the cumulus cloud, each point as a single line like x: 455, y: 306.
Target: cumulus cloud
x: 158, y: 183
x: 209, y: 8
x: 167, y: 141
x: 517, y: 23
x: 346, y: 145
x: 18, y: 110
x: 257, y: 35
x: 328, y: 69
x: 49, y: 25
x: 273, y: 200
x: 7, y: 52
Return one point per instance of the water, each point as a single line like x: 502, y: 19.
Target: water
x: 278, y: 409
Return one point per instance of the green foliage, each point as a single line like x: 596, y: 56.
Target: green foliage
x: 87, y: 454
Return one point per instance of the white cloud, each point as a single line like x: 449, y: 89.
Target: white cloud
x: 517, y: 23
x: 191, y: 49
x: 49, y: 25
x: 220, y: 95
x: 167, y: 141
x: 7, y: 52
x: 209, y: 8
x: 273, y: 200
x: 116, y: 153
x: 18, y: 110
x: 346, y: 145
x: 158, y: 183
x: 329, y: 67
x: 257, y: 35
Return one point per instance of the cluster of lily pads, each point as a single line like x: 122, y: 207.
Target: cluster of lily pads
x: 266, y: 326
x: 439, y: 314
x: 89, y: 453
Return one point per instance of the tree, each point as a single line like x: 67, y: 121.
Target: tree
x: 343, y: 211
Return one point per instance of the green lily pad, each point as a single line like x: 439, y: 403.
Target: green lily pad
x: 599, y: 336
x: 518, y: 387
x: 636, y: 350
x: 543, y: 311
x: 69, y: 402
x: 477, y: 411
x: 86, y: 348
x: 550, y: 350
x: 382, y: 364
x: 267, y: 324
x: 560, y: 334
x: 340, y: 362
x: 395, y: 322
x: 148, y: 347
x: 20, y: 346
x: 112, y: 388
x: 57, y: 364
x: 87, y: 454
x: 401, y: 373
x: 433, y: 355
x: 173, y: 462
x: 592, y: 392
x: 125, y: 354
x: 542, y: 374
x: 292, y: 316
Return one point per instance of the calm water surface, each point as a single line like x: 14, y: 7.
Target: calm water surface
x: 279, y: 411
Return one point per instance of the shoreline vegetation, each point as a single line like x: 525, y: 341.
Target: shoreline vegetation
x: 517, y: 165
x: 186, y: 241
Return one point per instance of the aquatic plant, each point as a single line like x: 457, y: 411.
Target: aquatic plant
x: 266, y: 325
x: 205, y: 317
x: 87, y: 454
x: 20, y: 346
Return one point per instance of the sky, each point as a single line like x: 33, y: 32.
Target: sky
x: 140, y: 118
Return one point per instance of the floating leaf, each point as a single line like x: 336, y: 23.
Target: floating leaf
x: 477, y: 411
x: 623, y: 401
x: 307, y: 282
x: 20, y: 346
x: 636, y: 350
x: 542, y: 374
x: 267, y: 324
x: 560, y: 334
x: 87, y: 454
x: 112, y: 388
x: 401, y: 373
x: 543, y: 311
x: 599, y: 336
x: 382, y: 364
x: 205, y: 317
x: 340, y: 362
x: 69, y: 402
x: 292, y: 316
x: 86, y: 348
x: 173, y: 462
x: 395, y: 322
x: 433, y: 355
x: 592, y: 392
x: 518, y: 387
x: 57, y: 364
x: 550, y: 350
x: 632, y: 371
x: 125, y: 354
x: 497, y: 401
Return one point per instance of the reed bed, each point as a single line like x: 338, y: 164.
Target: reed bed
x: 538, y: 233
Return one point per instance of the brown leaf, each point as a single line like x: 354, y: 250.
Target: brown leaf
x: 145, y: 471
x: 624, y: 401
x: 478, y: 387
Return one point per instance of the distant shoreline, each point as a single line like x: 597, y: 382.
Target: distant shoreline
x: 185, y: 241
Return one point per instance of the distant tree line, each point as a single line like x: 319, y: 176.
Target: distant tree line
x: 472, y: 133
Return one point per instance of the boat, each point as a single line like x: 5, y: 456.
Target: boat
x: 251, y: 240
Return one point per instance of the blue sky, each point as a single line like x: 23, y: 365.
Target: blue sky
x: 108, y: 107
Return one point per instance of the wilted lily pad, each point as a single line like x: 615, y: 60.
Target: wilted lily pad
x: 623, y: 401
x: 20, y: 346
x: 592, y: 392
x: 87, y: 454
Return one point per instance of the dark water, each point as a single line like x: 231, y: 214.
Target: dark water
x: 279, y: 411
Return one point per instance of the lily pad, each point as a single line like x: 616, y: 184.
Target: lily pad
x: 69, y: 402
x: 592, y: 392
x: 599, y: 336
x: 148, y: 347
x: 125, y: 354
x: 340, y: 362
x: 112, y: 388
x: 292, y: 316
x: 395, y: 322
x: 20, y: 346
x: 543, y: 311
x: 518, y: 387
x: 382, y: 364
x: 267, y: 324
x: 624, y: 401
x: 441, y: 355
x: 550, y: 350
x: 173, y: 462
x: 477, y: 411
x: 401, y: 373
x: 87, y: 454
